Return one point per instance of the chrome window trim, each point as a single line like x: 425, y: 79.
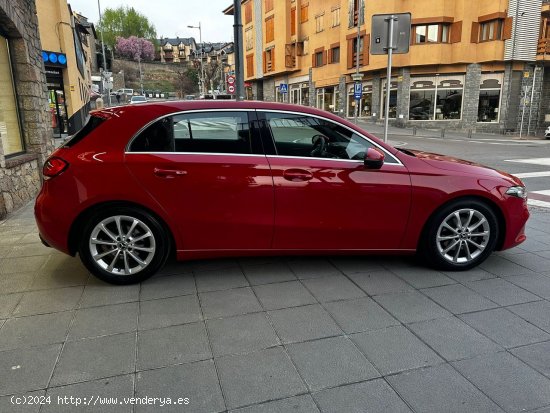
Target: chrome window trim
x: 196, y: 153
x: 397, y: 161
x: 182, y: 112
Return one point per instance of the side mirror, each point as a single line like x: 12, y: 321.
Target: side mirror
x: 374, y: 158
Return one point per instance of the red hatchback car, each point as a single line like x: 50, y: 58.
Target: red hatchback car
x: 206, y: 179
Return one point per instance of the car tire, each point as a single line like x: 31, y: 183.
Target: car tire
x: 123, y: 245
x: 460, y: 236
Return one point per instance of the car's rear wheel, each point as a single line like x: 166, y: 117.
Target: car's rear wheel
x: 123, y: 245
x: 460, y: 236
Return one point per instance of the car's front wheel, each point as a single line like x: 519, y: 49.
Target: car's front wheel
x: 460, y: 236
x: 123, y: 245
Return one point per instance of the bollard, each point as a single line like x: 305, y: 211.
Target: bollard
x: 414, y: 130
x: 469, y: 134
x: 442, y: 133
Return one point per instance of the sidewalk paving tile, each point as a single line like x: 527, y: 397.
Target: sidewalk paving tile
x: 537, y: 313
x: 371, y: 396
x: 453, y: 339
x: 502, y: 292
x: 411, y: 307
x: 458, y: 299
x: 30, y: 331
x: 27, y: 369
x: 48, y: 301
x: 169, y: 311
x: 359, y: 315
x: 303, y: 323
x: 229, y: 302
x: 241, y: 334
x: 104, y: 320
x: 22, y: 264
x: 475, y: 274
x: 96, y: 392
x: 95, y: 358
x: 220, y: 279
x: 531, y: 261
x: 297, y: 404
x: 244, y: 380
x: 537, y: 284
x: 172, y: 345
x: 512, y: 384
x: 283, y: 295
x: 330, y: 362
x: 535, y: 355
x: 333, y: 288
x: 441, y: 389
x: 351, y: 265
x: 380, y: 282
x: 311, y: 267
x: 16, y: 282
x: 7, y: 404
x: 272, y: 272
x: 167, y: 286
x: 8, y: 303
x: 504, y: 327
x: 502, y: 267
x: 420, y: 277
x: 395, y: 349
x: 197, y: 382
x: 105, y: 294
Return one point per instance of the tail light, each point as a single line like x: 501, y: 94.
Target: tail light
x: 54, y: 166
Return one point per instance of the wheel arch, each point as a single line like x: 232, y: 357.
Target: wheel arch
x: 489, y: 202
x: 79, y: 223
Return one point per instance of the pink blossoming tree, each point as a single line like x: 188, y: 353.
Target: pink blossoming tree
x: 135, y: 48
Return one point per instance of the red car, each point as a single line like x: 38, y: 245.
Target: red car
x: 203, y: 179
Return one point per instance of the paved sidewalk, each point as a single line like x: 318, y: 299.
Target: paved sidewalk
x: 322, y: 334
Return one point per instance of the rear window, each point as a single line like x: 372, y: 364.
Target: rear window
x: 93, y: 123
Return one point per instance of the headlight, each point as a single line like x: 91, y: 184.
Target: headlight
x: 517, y: 191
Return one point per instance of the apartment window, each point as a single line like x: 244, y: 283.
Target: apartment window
x: 269, y: 29
x: 268, y: 5
x: 431, y: 33
x: 10, y: 130
x: 248, y: 12
x: 250, y: 65
x: 249, y: 38
x: 489, y: 98
x: 436, y: 98
x: 335, y: 15
x: 293, y: 21
x: 269, y: 60
x: 490, y: 30
x: 334, y: 54
x: 319, y: 22
x: 354, y: 7
x: 304, y: 13
x: 318, y: 59
x: 363, y: 50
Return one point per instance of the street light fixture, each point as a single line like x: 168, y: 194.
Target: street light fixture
x: 201, y: 80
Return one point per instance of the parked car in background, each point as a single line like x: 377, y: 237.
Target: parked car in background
x: 547, y: 133
x: 138, y: 99
x: 204, y: 179
x: 127, y: 92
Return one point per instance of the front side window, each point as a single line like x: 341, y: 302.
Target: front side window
x: 10, y: 130
x: 214, y: 132
x: 307, y: 136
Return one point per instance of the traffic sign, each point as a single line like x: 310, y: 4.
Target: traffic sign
x: 283, y: 88
x: 401, y: 33
x: 357, y: 90
x: 231, y: 89
x: 231, y: 79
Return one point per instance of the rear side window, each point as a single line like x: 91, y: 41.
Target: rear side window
x: 92, y: 124
x: 209, y: 132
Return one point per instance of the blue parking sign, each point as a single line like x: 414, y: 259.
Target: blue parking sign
x: 357, y: 90
x: 283, y: 88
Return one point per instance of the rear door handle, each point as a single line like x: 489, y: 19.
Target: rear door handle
x: 169, y: 173
x: 297, y: 175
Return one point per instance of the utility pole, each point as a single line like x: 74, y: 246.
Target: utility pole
x: 358, y: 76
x: 201, y: 77
x: 103, y: 51
x: 239, y: 61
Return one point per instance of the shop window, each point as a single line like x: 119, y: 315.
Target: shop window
x: 436, y: 98
x: 10, y: 130
x: 489, y: 97
x: 325, y: 99
x: 393, y: 100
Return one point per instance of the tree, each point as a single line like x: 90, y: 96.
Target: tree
x: 185, y: 80
x: 135, y: 48
x: 125, y: 22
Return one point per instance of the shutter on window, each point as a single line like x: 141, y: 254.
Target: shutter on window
x: 325, y: 57
x: 313, y: 60
x: 351, y: 13
x: 350, y: 53
x: 456, y: 32
x: 475, y: 33
x: 366, y: 49
x: 265, y: 62
x: 508, y: 25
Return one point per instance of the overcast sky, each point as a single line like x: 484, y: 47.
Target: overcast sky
x: 171, y: 17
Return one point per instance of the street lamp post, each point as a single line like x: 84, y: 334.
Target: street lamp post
x: 103, y: 51
x: 357, y: 77
x: 201, y: 77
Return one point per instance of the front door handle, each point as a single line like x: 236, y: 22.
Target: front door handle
x: 297, y: 175
x: 169, y: 173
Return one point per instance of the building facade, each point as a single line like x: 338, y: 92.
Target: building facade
x: 68, y: 52
x: 25, y: 133
x: 471, y: 65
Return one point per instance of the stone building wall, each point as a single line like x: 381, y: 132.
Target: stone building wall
x: 20, y: 174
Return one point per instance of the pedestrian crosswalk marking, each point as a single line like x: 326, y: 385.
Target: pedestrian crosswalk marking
x: 532, y: 174
x: 533, y: 161
x: 545, y: 192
